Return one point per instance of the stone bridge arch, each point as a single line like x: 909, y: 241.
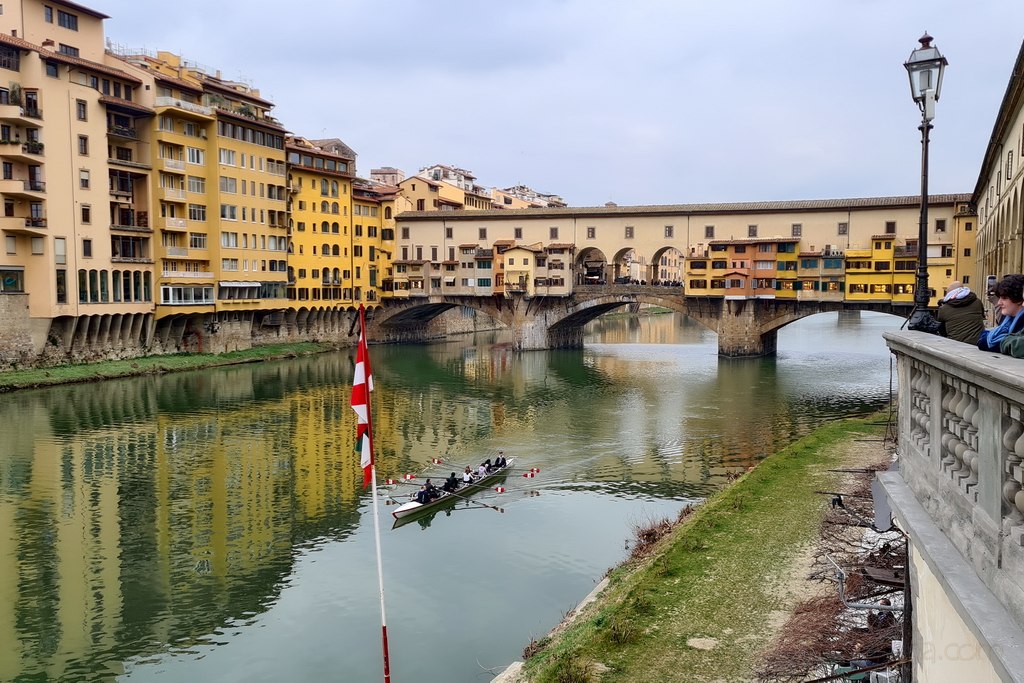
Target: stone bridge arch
x: 591, y: 266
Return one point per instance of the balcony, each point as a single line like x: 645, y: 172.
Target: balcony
x: 120, y: 191
x: 126, y: 132
x: 20, y: 225
x: 176, y: 251
x: 18, y: 114
x: 173, y: 164
x: 189, y: 274
x: 173, y: 194
x: 959, y: 497
x: 177, y: 103
x: 172, y: 223
x: 30, y: 189
x: 131, y: 227
x: 28, y: 152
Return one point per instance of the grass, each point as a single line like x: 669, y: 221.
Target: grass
x: 89, y: 372
x: 714, y: 578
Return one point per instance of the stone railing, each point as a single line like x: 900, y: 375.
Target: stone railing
x: 961, y: 445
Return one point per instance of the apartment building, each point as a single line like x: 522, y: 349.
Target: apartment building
x: 75, y: 183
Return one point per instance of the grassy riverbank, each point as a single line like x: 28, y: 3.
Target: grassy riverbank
x: 707, y: 601
x: 89, y: 372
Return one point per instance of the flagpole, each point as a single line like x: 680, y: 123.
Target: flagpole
x: 368, y: 379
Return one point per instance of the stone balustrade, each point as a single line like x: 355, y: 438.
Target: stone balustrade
x: 961, y: 447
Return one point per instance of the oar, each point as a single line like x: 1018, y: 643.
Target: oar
x: 475, y: 502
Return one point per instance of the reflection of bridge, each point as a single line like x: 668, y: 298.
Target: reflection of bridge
x: 745, y: 327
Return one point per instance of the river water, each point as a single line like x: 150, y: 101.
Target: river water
x: 211, y: 526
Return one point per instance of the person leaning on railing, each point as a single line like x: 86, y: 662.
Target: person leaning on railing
x: 1009, y: 304
x: 961, y: 314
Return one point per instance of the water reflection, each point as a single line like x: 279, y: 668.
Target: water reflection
x: 148, y: 526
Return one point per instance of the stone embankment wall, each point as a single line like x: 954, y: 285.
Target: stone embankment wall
x: 16, y: 346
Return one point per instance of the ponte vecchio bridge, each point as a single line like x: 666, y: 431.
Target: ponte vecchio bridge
x: 745, y: 327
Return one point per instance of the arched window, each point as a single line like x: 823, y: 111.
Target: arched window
x: 83, y: 287
x: 334, y: 188
x: 336, y: 252
x: 147, y: 286
x: 334, y: 228
x: 104, y: 286
x: 325, y: 207
x: 324, y: 226
x: 323, y: 187
x: 137, y: 283
x: 94, y: 286
x: 387, y: 212
x: 126, y: 285
x: 115, y: 279
x: 325, y: 250
x: 334, y: 207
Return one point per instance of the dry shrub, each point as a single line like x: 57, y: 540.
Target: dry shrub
x: 647, y: 535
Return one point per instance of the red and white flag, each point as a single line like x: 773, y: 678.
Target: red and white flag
x: 362, y: 385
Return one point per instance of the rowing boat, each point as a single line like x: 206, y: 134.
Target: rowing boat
x: 413, y: 508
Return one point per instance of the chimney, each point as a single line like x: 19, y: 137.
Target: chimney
x: 48, y: 42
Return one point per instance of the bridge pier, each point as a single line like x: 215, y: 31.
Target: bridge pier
x: 739, y: 330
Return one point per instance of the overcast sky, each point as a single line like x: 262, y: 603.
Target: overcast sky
x: 640, y: 102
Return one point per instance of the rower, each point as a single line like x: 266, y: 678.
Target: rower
x: 432, y: 491
x: 483, y: 469
x: 467, y: 476
x: 500, y: 461
x: 423, y: 496
x: 451, y: 483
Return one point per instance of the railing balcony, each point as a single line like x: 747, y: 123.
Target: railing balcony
x: 123, y: 132
x: 32, y: 112
x: 178, y: 223
x: 174, y: 193
x: 174, y: 164
x: 182, y: 104
x: 32, y: 147
x: 35, y: 222
x: 121, y: 192
x: 191, y: 274
x: 176, y: 251
x: 35, y: 186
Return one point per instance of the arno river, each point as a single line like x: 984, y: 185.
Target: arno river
x: 211, y: 526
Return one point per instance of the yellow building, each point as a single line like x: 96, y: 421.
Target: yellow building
x: 220, y: 204
x: 320, y: 270
x: 883, y: 272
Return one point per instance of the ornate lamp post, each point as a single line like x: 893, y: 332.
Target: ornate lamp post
x: 925, y: 68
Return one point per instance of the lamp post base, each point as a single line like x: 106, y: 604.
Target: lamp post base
x: 921, y: 320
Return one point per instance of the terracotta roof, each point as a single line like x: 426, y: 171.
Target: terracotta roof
x: 18, y: 42
x: 182, y: 84
x: 888, y: 236
x: 501, y: 243
x: 256, y: 122
x: 127, y: 104
x: 449, y: 263
x: 442, y: 200
x: 906, y: 201
x: 474, y: 245
x: 561, y: 245
x: 85, y: 63
x: 215, y: 84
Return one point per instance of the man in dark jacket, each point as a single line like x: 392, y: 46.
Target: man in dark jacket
x: 961, y: 314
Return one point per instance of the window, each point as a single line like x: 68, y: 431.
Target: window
x: 968, y: 226
x: 405, y: 233
x: 668, y: 231
x: 751, y: 231
x: 229, y: 239
x: 86, y: 213
x: 197, y: 212
x: 229, y: 212
x: 62, y: 286
x: 195, y: 155
x: 798, y: 230
x: 967, y: 252
x: 1009, y: 164
x: 197, y: 240
x: 226, y: 156
x: 51, y: 69
x: 87, y: 248
x: 83, y: 145
x: 82, y: 110
x: 196, y: 184
x: 65, y: 19
x: 709, y: 232
x: 447, y: 233
x: 483, y: 233
x: 47, y: 14
x: 940, y: 225
x: 890, y: 227
x: 843, y: 229
x: 83, y: 179
x: 68, y: 50
x: 629, y: 232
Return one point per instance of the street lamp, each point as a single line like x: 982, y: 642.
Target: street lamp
x: 925, y: 68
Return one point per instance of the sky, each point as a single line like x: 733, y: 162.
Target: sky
x: 640, y: 102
